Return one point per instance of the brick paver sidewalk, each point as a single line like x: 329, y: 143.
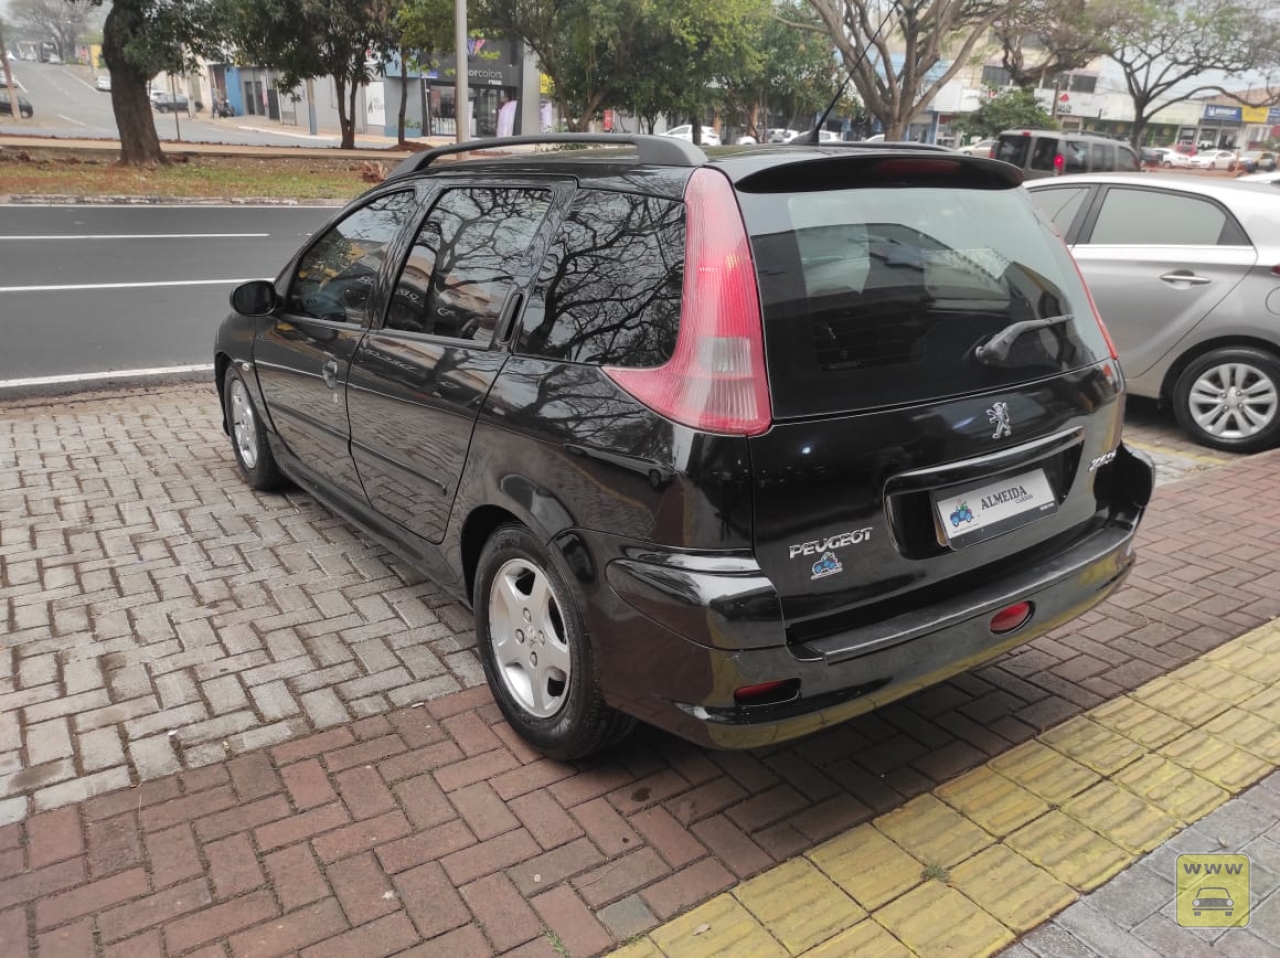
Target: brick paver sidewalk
x: 139, y: 578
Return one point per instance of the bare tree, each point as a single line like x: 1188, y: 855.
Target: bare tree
x: 1040, y: 39
x: 1166, y: 50
x: 59, y: 20
x: 893, y: 47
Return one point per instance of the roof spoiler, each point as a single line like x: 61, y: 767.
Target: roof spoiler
x: 662, y: 150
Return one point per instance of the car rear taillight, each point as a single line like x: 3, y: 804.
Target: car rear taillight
x: 715, y: 379
x: 1058, y: 163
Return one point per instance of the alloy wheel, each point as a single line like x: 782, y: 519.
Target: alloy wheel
x: 1233, y: 401
x: 527, y: 633
x: 244, y: 426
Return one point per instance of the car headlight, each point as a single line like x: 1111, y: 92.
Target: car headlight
x: 1230, y: 902
x: 1196, y: 903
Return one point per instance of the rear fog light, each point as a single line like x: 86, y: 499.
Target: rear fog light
x: 1012, y: 618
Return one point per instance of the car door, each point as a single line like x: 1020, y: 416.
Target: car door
x: 418, y: 380
x: 302, y: 355
x: 1157, y: 261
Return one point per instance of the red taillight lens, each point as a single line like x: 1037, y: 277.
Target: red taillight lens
x: 715, y: 379
x: 1014, y: 617
x: 1059, y: 161
x: 1275, y: 270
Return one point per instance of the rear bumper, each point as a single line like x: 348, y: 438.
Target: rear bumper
x: 687, y: 687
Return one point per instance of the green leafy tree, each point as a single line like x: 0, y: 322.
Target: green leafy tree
x: 1166, y: 49
x: 421, y: 27
x: 1009, y: 109
x: 305, y: 39
x: 904, y: 41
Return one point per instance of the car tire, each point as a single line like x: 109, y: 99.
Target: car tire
x: 258, y: 466
x: 1229, y: 399
x: 1167, y: 165
x: 525, y: 608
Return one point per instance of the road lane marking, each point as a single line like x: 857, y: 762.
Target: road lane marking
x: 106, y: 375
x: 71, y: 120
x: 168, y: 282
x: 132, y: 236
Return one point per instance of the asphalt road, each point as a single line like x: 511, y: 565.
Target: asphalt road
x: 93, y: 289
x: 67, y: 106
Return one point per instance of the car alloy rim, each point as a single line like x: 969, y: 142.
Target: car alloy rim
x: 243, y: 427
x: 527, y: 633
x: 1233, y: 401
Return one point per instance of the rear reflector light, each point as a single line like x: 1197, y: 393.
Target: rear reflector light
x: 1014, y: 617
x: 715, y: 379
x: 768, y: 693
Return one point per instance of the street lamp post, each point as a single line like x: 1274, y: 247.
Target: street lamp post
x: 461, y: 108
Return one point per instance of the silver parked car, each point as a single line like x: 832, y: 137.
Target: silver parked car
x: 1184, y: 272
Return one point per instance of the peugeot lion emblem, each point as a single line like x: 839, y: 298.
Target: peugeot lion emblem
x: 999, y: 416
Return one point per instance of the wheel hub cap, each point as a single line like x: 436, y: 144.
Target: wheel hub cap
x: 244, y: 430
x: 527, y: 634
x: 1233, y: 401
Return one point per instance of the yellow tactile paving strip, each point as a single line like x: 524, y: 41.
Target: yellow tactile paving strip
x: 996, y: 852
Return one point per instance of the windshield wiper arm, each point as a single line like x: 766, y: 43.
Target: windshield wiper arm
x: 996, y: 349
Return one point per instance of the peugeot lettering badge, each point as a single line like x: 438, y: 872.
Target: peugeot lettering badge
x: 999, y: 417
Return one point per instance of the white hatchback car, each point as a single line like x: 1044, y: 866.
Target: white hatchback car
x: 709, y: 136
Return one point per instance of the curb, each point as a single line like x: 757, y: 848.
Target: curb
x: 71, y: 199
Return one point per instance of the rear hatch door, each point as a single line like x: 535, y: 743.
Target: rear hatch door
x: 902, y: 468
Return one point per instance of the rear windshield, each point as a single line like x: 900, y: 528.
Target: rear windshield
x: 876, y: 297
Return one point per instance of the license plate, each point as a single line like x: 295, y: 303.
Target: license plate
x: 971, y: 515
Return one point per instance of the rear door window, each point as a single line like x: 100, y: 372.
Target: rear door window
x: 1075, y: 156
x: 461, y: 267
x: 1043, y: 155
x: 879, y: 296
x: 610, y: 286
x: 1126, y: 160
x: 1062, y: 204
x: 1104, y: 157
x: 1131, y: 217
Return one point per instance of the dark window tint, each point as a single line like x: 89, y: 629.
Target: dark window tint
x: 1104, y: 157
x: 875, y: 297
x: 609, y: 290
x: 1126, y: 160
x: 1061, y: 205
x: 336, y: 275
x: 471, y: 250
x: 1042, y: 156
x: 1075, y: 156
x: 1152, y: 218
x: 1013, y: 149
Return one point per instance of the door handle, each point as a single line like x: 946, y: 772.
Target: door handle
x: 330, y: 373
x: 1185, y: 276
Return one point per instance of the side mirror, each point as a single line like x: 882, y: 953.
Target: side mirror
x: 255, y: 298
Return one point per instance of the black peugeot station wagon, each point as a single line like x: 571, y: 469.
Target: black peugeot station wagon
x: 740, y: 444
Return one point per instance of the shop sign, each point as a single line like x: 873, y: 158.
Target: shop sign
x: 1213, y: 111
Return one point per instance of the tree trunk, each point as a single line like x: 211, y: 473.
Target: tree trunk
x: 345, y: 125
x: 894, y: 132
x: 404, y: 97
x: 349, y: 138
x: 695, y: 130
x: 139, y: 143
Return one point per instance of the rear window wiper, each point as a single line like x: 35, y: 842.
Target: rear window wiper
x: 996, y: 349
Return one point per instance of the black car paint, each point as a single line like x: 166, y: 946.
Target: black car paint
x: 677, y: 540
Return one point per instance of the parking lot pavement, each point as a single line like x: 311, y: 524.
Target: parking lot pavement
x: 255, y: 665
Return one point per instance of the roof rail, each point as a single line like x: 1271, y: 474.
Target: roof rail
x: 664, y: 150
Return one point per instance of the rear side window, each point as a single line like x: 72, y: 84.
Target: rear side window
x: 1046, y: 150
x: 1104, y: 157
x: 1075, y: 156
x: 1013, y: 149
x: 879, y: 296
x: 1126, y: 160
x: 610, y: 286
x: 1155, y: 218
x: 1061, y: 204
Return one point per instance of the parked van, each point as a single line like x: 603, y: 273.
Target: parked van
x: 1041, y: 153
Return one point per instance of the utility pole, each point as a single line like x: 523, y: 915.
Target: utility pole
x: 461, y: 108
x: 8, y: 78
